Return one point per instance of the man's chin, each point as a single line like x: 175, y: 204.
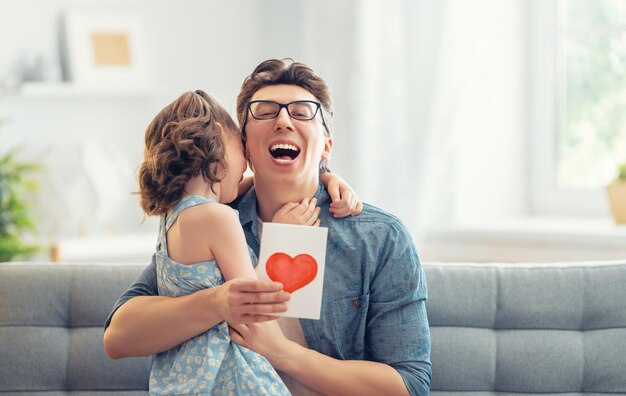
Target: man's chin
x: 279, y: 176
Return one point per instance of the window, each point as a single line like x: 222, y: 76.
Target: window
x: 577, y: 103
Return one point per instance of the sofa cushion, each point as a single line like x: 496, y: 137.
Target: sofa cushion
x: 496, y: 329
x: 51, y: 328
x: 528, y: 328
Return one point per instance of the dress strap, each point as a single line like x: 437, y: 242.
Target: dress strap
x: 187, y: 202
x: 168, y: 220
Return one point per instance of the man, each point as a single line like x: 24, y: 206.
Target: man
x: 373, y: 335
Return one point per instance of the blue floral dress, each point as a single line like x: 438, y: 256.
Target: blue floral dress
x: 210, y: 363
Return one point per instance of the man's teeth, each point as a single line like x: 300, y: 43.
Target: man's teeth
x: 284, y: 152
x: 284, y: 147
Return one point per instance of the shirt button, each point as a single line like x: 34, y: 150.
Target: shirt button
x: 356, y: 303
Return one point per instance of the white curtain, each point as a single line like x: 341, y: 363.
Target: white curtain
x: 384, y: 81
x: 428, y: 99
x: 401, y: 161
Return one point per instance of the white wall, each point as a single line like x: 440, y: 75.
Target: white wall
x: 213, y: 44
x: 189, y: 44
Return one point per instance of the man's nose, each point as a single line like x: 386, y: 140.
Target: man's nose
x: 283, y: 120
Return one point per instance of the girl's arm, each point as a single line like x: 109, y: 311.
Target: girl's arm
x: 228, y: 243
x: 146, y: 325
x: 345, y: 202
x: 149, y: 324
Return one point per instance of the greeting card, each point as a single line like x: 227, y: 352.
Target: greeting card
x: 295, y: 255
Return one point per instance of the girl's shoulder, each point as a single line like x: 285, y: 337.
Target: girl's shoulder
x: 208, y: 216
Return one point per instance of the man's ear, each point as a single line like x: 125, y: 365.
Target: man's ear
x: 246, y: 153
x: 328, y: 148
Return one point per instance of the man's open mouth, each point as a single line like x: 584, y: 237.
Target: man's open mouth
x: 284, y: 152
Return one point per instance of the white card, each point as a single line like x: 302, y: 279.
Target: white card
x: 295, y: 255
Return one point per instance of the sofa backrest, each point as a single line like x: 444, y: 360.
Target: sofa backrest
x: 525, y: 329
x: 51, y: 329
x: 495, y: 329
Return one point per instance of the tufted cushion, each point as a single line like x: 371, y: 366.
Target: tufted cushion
x: 502, y: 329
x: 497, y: 329
x: 51, y: 328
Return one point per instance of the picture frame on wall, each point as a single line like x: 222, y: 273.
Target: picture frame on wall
x: 104, y: 50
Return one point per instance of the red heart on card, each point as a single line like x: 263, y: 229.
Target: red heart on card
x: 293, y: 273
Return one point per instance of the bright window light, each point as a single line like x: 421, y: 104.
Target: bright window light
x: 591, y: 92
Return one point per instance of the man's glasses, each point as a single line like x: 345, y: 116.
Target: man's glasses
x: 303, y: 110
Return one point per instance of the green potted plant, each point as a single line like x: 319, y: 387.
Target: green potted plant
x: 617, y: 195
x: 17, y: 187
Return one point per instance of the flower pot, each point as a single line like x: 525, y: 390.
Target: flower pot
x: 617, y: 198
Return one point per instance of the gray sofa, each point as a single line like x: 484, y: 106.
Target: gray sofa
x: 497, y: 329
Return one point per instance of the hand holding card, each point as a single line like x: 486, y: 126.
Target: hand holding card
x: 294, y: 255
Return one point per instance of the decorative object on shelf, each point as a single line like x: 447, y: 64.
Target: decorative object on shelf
x: 17, y: 186
x: 617, y: 195
x: 85, y: 189
x: 102, y: 49
x: 39, y: 68
x: 47, y: 89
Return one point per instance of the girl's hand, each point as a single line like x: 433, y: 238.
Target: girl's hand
x: 303, y: 213
x: 344, y: 199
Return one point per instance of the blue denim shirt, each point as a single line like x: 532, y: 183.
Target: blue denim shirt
x: 373, y: 303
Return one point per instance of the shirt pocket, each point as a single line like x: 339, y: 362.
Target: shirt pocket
x: 348, y: 319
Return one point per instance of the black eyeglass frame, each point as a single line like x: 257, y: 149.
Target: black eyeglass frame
x: 319, y: 108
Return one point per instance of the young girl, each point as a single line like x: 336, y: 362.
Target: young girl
x: 193, y: 164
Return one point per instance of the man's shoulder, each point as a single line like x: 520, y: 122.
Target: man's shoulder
x: 375, y: 220
x: 370, y: 214
x: 374, y: 214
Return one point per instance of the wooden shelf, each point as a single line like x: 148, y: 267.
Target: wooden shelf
x: 71, y: 90
x: 121, y: 247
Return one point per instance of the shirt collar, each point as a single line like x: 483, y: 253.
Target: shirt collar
x: 247, y: 207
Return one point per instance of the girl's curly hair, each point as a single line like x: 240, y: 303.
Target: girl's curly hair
x: 181, y: 142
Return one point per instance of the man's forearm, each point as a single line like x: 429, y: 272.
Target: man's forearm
x: 341, y: 377
x: 146, y: 325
